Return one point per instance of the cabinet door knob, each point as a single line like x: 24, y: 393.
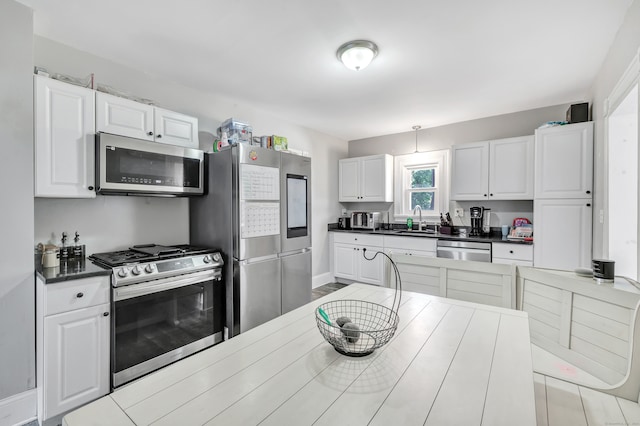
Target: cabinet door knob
x: 150, y: 134
x: 511, y: 251
x: 90, y: 188
x: 105, y: 314
x: 588, y: 204
x: 79, y: 295
x: 158, y: 136
x: 588, y: 192
x: 485, y: 195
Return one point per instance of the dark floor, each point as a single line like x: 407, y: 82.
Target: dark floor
x: 318, y: 292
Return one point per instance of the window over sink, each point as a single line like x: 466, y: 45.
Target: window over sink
x: 421, y: 179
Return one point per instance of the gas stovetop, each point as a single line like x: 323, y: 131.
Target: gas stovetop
x: 152, y: 262
x: 146, y: 253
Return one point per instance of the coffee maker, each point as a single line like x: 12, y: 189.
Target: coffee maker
x: 479, y: 222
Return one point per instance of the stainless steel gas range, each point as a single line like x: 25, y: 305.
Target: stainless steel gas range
x: 168, y: 303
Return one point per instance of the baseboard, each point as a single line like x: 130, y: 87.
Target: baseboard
x: 18, y: 409
x: 322, y: 279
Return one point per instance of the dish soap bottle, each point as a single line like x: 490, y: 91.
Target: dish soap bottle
x: 409, y: 223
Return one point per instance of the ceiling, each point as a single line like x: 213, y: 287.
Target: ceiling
x: 440, y: 62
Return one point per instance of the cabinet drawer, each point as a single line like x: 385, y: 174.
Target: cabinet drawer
x: 411, y: 243
x: 513, y: 251
x: 76, y: 294
x: 359, y: 239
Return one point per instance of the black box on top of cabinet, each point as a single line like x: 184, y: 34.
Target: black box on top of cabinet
x: 578, y: 113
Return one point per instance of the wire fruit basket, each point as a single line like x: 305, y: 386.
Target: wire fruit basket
x: 357, y: 327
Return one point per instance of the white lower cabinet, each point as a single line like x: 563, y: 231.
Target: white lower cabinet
x: 72, y: 345
x: 349, y: 262
x: 562, y: 233
x: 508, y: 253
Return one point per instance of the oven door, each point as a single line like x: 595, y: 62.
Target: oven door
x: 134, y: 166
x: 156, y: 323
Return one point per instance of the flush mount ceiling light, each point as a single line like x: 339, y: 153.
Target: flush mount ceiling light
x: 357, y: 54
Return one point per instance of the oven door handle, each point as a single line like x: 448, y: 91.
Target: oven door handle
x: 163, y: 284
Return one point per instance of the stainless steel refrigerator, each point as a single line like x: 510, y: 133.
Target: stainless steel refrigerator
x: 257, y: 211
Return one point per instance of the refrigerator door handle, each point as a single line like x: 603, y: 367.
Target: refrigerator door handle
x: 294, y: 252
x: 258, y: 259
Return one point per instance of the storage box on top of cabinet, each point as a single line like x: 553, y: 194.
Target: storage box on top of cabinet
x: 125, y: 117
x: 367, y: 178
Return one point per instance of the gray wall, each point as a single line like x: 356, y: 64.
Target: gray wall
x: 443, y: 137
x: 623, y: 48
x: 17, y: 313
x: 108, y: 223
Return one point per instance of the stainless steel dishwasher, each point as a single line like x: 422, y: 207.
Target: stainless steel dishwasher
x: 464, y: 250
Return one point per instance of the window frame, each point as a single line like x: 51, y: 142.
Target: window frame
x: 403, y: 165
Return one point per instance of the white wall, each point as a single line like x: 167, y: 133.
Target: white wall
x: 17, y: 312
x: 108, y: 223
x: 623, y: 48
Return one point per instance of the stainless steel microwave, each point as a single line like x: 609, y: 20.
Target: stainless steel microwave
x: 128, y: 166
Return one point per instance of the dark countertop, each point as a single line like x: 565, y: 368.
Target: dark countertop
x: 494, y: 238
x: 69, y: 270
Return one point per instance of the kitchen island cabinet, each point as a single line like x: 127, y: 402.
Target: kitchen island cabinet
x: 72, y: 344
x: 493, y: 170
x: 445, y: 355
x: 64, y: 139
x: 367, y: 178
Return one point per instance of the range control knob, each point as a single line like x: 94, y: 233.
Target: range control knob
x: 123, y: 272
x: 149, y: 268
x: 206, y: 259
x: 216, y: 257
x: 136, y: 270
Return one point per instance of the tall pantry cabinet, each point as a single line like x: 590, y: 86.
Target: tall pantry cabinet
x: 562, y: 210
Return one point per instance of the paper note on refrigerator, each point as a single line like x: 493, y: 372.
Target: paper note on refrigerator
x: 259, y: 219
x: 259, y: 182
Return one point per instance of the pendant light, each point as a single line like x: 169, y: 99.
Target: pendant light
x: 416, y: 128
x: 357, y: 54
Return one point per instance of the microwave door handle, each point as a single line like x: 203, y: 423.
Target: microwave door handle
x: 155, y: 286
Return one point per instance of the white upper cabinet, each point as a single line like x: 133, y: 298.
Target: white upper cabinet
x: 564, y: 161
x: 493, y: 170
x: 367, y: 178
x: 125, y: 117
x: 64, y: 139
x: 175, y: 128
x: 511, y: 165
x: 470, y: 171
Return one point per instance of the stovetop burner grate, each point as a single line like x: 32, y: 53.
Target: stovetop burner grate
x: 145, y: 253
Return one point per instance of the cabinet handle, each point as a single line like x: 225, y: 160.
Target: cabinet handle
x: 79, y: 295
x: 158, y: 136
x: 105, y: 314
x: 588, y: 192
x: 150, y: 134
x: 90, y: 188
x: 588, y: 204
x: 511, y: 251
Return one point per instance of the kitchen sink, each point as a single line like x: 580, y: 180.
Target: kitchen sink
x: 407, y: 232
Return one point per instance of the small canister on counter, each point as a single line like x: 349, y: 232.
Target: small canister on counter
x: 50, y: 256
x: 603, y: 270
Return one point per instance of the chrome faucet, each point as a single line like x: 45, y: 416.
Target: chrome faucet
x: 420, y: 223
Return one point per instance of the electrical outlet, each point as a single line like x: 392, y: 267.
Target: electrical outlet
x: 459, y: 212
x: 344, y: 212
